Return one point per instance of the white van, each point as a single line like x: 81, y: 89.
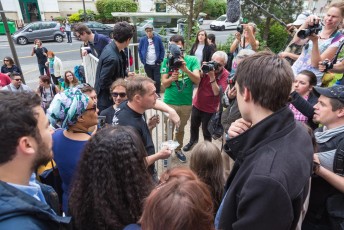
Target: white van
x: 221, y: 23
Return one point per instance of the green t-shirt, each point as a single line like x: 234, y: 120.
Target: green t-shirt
x: 174, y: 97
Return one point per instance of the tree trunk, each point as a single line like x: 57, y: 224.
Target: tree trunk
x: 267, y: 29
x: 190, y: 21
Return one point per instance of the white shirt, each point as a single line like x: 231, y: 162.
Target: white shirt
x: 199, y: 53
x: 151, y: 56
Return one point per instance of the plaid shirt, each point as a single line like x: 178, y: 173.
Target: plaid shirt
x: 297, y: 114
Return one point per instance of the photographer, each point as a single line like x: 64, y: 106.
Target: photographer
x: 207, y: 98
x: 244, y: 39
x: 179, y: 86
x: 321, y: 42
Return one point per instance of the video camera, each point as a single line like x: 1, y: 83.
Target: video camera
x: 174, y: 54
x: 315, y: 29
x: 210, y: 66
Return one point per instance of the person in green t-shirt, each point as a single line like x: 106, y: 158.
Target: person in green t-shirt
x: 180, y: 98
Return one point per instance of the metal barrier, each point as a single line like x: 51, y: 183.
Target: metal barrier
x: 90, y: 63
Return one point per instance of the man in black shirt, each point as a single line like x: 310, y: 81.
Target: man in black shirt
x: 141, y: 93
x: 41, y: 54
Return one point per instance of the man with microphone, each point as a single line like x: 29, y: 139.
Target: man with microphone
x: 178, y: 83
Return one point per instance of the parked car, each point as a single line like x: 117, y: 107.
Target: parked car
x: 98, y: 27
x: 45, y: 31
x: 221, y: 23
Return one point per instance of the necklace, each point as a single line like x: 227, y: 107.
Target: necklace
x: 77, y: 131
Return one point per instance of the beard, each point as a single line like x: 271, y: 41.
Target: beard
x: 44, y: 155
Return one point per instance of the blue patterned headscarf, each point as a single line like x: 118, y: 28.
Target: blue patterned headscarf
x: 66, y: 107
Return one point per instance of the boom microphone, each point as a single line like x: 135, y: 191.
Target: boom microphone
x: 233, y: 10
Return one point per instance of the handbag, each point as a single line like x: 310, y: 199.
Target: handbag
x: 52, y: 178
x: 215, y: 127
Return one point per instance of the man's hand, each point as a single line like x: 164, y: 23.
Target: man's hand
x: 84, y: 52
x: 164, y: 153
x: 238, y: 127
x: 153, y: 121
x: 231, y: 94
x: 174, y: 75
x: 174, y: 117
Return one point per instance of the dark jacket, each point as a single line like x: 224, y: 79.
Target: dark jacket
x: 19, y: 210
x: 270, y: 177
x: 159, y: 49
x: 305, y: 107
x: 14, y: 68
x: 111, y: 66
x: 208, y: 52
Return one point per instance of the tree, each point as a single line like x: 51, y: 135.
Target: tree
x: 284, y: 10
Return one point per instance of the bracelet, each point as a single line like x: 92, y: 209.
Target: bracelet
x: 212, y: 81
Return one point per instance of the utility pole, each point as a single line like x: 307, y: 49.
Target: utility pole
x: 85, y: 15
x: 9, y: 38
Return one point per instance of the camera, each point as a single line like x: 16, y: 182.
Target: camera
x: 210, y: 66
x: 315, y: 29
x: 101, y: 122
x: 174, y: 55
x: 328, y: 65
x: 231, y: 80
x: 240, y: 29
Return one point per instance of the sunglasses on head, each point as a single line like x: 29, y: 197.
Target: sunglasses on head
x: 120, y: 94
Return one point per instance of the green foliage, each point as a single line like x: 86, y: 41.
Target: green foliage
x: 214, y: 8
x: 106, y: 7
x: 60, y: 19
x: 227, y: 45
x: 163, y: 31
x: 77, y: 17
x: 74, y: 18
x: 278, y: 38
x: 191, y: 41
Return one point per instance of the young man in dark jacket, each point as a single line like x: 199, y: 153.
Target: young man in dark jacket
x: 25, y: 144
x: 152, y: 52
x: 273, y: 154
x: 111, y: 65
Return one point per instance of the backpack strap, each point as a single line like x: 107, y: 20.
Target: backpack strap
x: 338, y: 163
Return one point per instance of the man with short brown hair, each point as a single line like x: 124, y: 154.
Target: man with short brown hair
x: 273, y: 154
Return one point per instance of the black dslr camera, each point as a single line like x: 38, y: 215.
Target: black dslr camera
x: 315, y: 29
x: 210, y: 66
x: 174, y: 54
x: 240, y: 29
x: 328, y: 65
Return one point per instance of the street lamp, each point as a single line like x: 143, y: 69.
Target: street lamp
x: 83, y: 3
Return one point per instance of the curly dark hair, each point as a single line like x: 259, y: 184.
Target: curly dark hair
x: 18, y: 119
x: 112, y: 180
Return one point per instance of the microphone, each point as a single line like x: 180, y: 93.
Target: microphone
x: 233, y: 10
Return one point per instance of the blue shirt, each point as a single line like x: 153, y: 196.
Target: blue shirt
x: 67, y: 154
x: 33, y: 189
x: 99, y: 42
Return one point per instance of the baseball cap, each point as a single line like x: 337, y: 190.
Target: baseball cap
x: 148, y: 26
x: 300, y: 19
x: 336, y: 92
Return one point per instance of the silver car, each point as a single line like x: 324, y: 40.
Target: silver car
x: 45, y: 31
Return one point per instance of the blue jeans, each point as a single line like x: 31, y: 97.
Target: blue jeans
x: 69, y: 36
x: 41, y: 68
x: 153, y: 72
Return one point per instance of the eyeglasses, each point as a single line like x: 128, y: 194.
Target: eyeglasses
x: 19, y: 79
x: 119, y: 94
x: 94, y: 107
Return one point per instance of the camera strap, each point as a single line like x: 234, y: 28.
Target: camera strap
x: 340, y: 47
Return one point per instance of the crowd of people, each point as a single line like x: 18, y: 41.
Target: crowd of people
x: 280, y: 165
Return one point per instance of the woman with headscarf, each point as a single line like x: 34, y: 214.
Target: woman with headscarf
x: 75, y: 113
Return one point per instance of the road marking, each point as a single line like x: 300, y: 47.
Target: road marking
x: 60, y: 52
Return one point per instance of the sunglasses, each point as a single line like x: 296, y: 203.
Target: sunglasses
x: 78, y: 36
x: 94, y: 107
x: 6, y: 60
x: 19, y: 79
x: 120, y: 94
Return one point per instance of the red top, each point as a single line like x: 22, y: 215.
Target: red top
x: 205, y: 100
x: 4, y: 80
